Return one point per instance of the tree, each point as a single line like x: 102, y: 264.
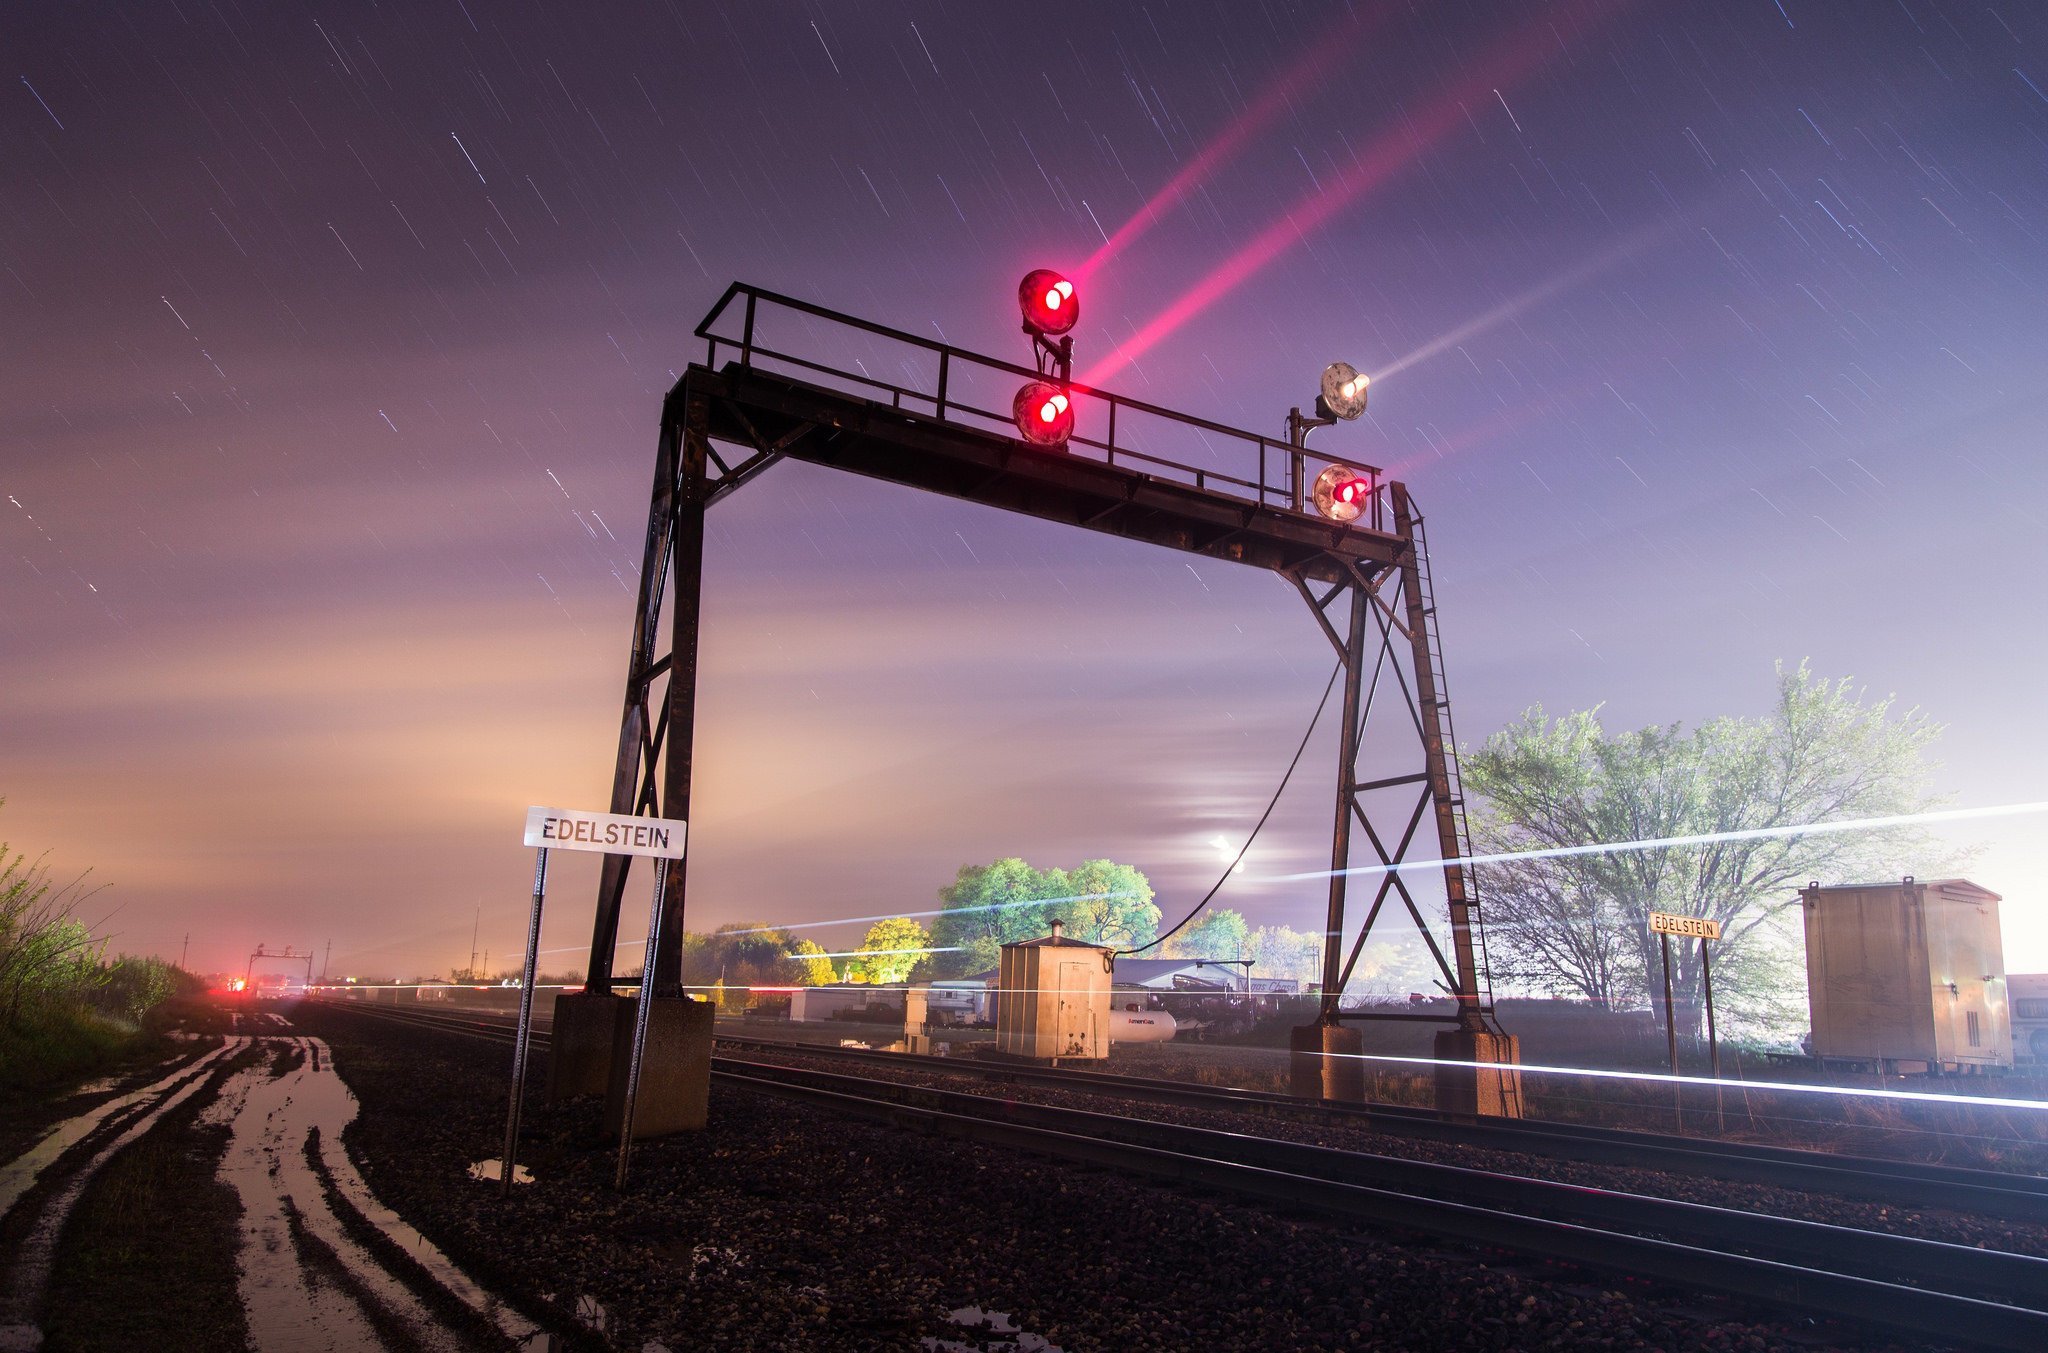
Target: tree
x: 1105, y: 903
x: 1578, y: 924
x: 733, y: 961
x: 986, y: 906
x: 1219, y: 933
x: 817, y: 969
x: 1283, y: 952
x: 892, y: 948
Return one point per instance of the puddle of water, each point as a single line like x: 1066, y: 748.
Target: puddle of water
x: 995, y: 1333
x: 36, y: 1254
x: 266, y: 1163
x: 19, y: 1174
x: 495, y: 1170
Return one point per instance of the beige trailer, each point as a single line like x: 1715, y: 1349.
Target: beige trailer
x: 1052, y: 999
x: 1907, y: 975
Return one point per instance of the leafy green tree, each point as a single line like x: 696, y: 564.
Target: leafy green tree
x: 817, y: 969
x: 1283, y: 952
x: 986, y: 906
x: 892, y: 948
x: 1218, y: 932
x: 1578, y: 924
x: 1107, y: 903
x: 735, y: 960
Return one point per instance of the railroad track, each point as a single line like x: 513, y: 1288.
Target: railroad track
x: 1894, y: 1183
x: 1984, y: 1193
x: 1951, y: 1292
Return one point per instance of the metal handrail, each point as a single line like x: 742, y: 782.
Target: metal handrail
x: 1289, y: 492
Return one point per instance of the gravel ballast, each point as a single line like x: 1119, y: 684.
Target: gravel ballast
x: 781, y: 1227
x: 1958, y: 1228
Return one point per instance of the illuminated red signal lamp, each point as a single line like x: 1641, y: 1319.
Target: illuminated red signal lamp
x: 1044, y: 414
x: 1049, y: 302
x: 1341, y: 493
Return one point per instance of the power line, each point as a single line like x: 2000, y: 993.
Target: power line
x: 1228, y: 869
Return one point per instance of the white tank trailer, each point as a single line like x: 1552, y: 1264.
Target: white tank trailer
x: 1908, y: 975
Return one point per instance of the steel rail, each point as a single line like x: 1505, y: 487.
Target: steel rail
x: 1907, y: 1260
x: 1983, y: 1192
x: 1817, y: 1290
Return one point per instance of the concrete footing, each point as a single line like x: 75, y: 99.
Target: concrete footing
x: 580, y: 1052
x: 675, y: 1074
x: 1493, y: 1088
x: 1323, y: 1063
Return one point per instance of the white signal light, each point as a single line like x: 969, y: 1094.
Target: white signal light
x: 1343, y: 392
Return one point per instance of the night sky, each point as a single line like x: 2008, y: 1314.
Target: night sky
x: 333, y: 339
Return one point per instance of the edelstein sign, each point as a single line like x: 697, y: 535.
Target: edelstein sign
x: 549, y: 829
x: 606, y: 833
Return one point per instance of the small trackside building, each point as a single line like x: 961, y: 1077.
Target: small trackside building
x: 1052, y: 1002
x: 1907, y: 975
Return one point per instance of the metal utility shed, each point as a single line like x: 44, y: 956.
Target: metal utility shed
x: 1053, y: 1001
x: 1910, y: 975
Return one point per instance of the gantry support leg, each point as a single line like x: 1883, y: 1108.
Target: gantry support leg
x: 656, y: 740
x: 1476, y: 1073
x: 692, y: 491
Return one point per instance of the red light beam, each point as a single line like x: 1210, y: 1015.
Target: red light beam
x: 1394, y: 150
x: 1324, y: 57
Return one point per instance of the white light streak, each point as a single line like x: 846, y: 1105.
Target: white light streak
x: 1858, y: 824
x: 472, y: 159
x: 870, y: 953
x: 943, y: 911
x: 1666, y: 1078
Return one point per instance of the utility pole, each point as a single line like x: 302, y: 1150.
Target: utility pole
x: 473, y: 930
x: 184, y: 951
x: 323, y: 962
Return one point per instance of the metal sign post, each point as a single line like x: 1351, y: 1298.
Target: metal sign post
x: 519, y: 1039
x: 1713, y: 1044
x: 605, y: 834
x: 1664, y: 926
x: 640, y: 1017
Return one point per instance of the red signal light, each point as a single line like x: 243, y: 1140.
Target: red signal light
x: 1341, y: 493
x: 1049, y: 302
x: 1044, y: 414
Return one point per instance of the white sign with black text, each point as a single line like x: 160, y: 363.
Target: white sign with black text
x: 1693, y: 927
x: 605, y: 833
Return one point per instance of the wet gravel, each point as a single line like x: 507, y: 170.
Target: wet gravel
x: 1959, y: 1228
x: 781, y: 1227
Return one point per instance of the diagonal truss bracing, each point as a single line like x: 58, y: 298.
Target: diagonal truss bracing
x: 1366, y: 583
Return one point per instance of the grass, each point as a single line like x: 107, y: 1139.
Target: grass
x: 56, y: 1043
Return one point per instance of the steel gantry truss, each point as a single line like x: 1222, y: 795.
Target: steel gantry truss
x: 1225, y: 493
x: 1373, y: 606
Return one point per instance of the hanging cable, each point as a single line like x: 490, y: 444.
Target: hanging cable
x: 1232, y: 866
